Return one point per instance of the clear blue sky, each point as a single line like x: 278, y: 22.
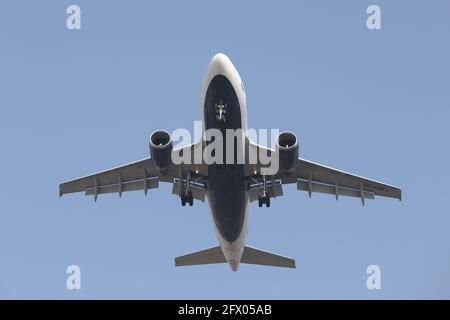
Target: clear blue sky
x: 375, y: 103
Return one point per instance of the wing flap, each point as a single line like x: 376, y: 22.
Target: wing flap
x: 152, y: 183
x: 332, y: 189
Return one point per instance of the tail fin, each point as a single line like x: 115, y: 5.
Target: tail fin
x: 256, y: 256
x: 211, y: 255
x: 250, y: 255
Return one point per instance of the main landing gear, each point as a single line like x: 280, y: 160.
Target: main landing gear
x: 264, y: 197
x: 186, y: 197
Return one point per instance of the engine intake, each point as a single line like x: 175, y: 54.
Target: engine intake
x: 161, y: 149
x: 287, y: 148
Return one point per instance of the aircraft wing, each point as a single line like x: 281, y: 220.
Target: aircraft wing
x: 138, y: 175
x: 316, y: 177
x: 313, y: 177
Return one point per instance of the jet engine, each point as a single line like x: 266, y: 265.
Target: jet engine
x: 287, y: 148
x: 161, y: 149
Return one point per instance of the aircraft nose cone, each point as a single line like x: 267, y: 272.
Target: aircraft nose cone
x: 221, y: 62
x: 220, y: 58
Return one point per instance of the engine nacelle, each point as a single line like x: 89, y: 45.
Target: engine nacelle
x: 161, y: 149
x: 287, y: 148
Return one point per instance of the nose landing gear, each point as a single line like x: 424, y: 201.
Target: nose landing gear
x: 221, y: 110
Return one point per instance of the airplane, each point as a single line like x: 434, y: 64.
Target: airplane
x: 228, y: 188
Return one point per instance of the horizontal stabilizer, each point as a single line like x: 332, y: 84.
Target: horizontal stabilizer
x: 250, y: 255
x: 207, y: 256
x: 256, y: 256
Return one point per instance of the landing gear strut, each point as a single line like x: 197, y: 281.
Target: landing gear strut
x: 186, y: 197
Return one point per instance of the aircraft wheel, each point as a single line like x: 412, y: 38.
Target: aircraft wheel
x: 259, y: 202
x: 190, y: 198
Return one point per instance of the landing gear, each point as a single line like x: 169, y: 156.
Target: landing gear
x: 221, y: 110
x: 187, y: 198
x: 264, y: 197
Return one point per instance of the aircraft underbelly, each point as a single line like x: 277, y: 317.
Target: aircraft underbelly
x: 226, y: 182
x: 226, y: 194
